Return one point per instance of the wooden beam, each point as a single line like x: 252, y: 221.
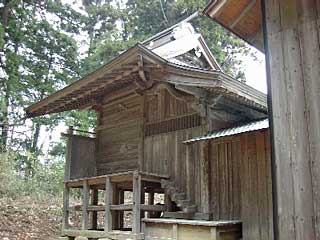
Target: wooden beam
x: 243, y: 13
x: 108, y: 202
x: 100, y: 87
x: 153, y: 208
x: 141, y: 70
x: 136, y: 203
x: 94, y: 215
x: 121, y: 207
x: 175, y: 232
x: 66, y: 192
x: 85, y: 200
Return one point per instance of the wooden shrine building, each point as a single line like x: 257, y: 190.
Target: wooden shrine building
x: 170, y: 122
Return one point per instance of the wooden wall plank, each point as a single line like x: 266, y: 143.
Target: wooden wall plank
x: 309, y: 41
x: 293, y: 40
x: 120, y: 144
x: 239, y: 183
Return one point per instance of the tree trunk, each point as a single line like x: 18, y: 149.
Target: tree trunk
x: 5, y: 13
x: 5, y: 122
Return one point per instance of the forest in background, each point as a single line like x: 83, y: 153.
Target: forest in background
x: 47, y: 44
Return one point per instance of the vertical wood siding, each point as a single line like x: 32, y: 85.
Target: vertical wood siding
x: 164, y: 152
x: 240, y: 183
x: 119, y: 136
x: 294, y: 60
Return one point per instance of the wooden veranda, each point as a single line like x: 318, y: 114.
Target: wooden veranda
x: 113, y: 186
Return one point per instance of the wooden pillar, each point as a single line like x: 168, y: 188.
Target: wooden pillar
x: 205, y: 178
x: 150, y: 202
x: 151, y: 198
x: 67, y: 166
x: 94, y: 214
x: 85, y: 203
x: 142, y: 197
x: 293, y: 58
x: 175, y: 233
x: 142, y: 127
x: 121, y: 213
x: 66, y: 194
x: 168, y: 202
x: 108, y: 202
x: 136, y: 203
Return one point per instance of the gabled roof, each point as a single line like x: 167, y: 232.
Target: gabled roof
x: 182, y: 45
x: 247, y: 127
x: 139, y: 68
x: 242, y: 17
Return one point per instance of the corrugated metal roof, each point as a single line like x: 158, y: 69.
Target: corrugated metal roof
x: 249, y: 127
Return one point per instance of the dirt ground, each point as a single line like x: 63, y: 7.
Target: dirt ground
x: 25, y: 218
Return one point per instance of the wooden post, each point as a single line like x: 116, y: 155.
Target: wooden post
x: 204, y: 164
x: 66, y: 192
x: 214, y: 233
x: 150, y: 201
x: 291, y: 34
x: 151, y: 198
x: 85, y: 203
x: 121, y: 213
x: 142, y: 127
x: 108, y: 202
x: 136, y: 203
x: 168, y: 202
x: 175, y: 234
x: 94, y: 214
x: 142, y: 198
x: 67, y: 166
x: 116, y: 215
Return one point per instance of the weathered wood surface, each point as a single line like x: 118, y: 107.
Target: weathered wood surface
x: 80, y: 157
x: 119, y: 135
x: 190, y: 230
x: 293, y: 40
x: 240, y: 182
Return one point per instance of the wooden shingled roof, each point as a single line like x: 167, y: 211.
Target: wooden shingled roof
x: 242, y: 17
x: 115, y: 75
x: 138, y: 69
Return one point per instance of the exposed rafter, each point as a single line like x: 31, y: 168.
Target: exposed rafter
x: 243, y: 13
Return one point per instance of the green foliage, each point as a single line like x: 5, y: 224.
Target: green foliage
x: 47, y: 180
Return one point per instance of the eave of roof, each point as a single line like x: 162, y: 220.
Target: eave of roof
x: 99, y: 75
x: 242, y: 17
x: 248, y: 127
x: 80, y: 92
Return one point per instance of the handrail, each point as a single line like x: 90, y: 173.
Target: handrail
x: 78, y: 130
x: 71, y: 132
